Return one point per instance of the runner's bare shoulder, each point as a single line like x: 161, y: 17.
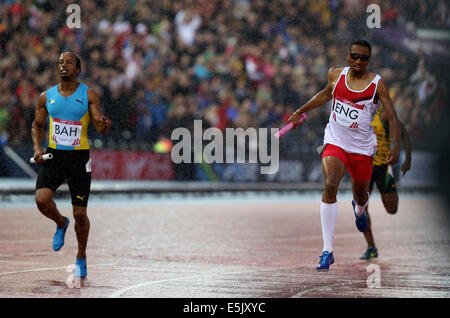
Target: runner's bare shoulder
x: 42, y: 100
x: 333, y: 74
x: 371, y: 75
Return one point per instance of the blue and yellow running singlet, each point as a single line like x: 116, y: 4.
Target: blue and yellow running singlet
x: 69, y: 119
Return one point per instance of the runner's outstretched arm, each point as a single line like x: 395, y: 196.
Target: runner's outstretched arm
x: 319, y: 99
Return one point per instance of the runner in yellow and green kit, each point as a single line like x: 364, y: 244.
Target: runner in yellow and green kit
x: 381, y: 175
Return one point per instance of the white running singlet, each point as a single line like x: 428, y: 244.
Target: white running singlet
x: 352, y: 112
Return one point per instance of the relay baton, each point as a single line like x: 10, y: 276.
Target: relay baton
x: 45, y: 157
x: 289, y: 126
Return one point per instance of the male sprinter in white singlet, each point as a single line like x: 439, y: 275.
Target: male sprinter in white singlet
x: 349, y: 140
x: 71, y: 106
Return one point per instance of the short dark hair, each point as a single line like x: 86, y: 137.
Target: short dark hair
x: 362, y: 43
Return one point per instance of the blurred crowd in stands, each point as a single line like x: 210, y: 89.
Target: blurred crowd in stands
x: 157, y: 65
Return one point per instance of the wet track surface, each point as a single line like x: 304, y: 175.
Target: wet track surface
x: 225, y: 247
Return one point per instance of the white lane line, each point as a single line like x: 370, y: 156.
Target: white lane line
x: 32, y: 254
x: 20, y: 262
x: 119, y: 292
x: 306, y: 291
x: 49, y: 269
x: 23, y: 241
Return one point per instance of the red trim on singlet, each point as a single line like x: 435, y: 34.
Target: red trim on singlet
x: 349, y: 102
x: 343, y: 91
x: 360, y: 99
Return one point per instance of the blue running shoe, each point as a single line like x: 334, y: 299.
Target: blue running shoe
x: 361, y: 221
x: 370, y: 253
x: 58, y: 239
x: 325, y: 261
x: 80, y: 268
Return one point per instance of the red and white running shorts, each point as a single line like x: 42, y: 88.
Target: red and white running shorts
x: 359, y: 166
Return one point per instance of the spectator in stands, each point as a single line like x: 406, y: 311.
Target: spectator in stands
x: 227, y: 60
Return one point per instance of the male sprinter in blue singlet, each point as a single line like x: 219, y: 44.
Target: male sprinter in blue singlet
x: 70, y: 105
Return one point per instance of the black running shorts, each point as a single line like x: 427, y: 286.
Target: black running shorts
x: 383, y: 179
x: 71, y: 165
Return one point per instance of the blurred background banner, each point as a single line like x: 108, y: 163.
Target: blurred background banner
x: 434, y: 45
x: 160, y: 65
x: 131, y: 165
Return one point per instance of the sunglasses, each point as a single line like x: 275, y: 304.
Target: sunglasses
x: 356, y: 56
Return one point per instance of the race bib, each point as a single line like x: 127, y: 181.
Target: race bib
x: 346, y: 113
x: 67, y: 132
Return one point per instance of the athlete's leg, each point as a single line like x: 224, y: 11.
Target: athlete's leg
x: 388, y: 190
x: 333, y: 171
x: 368, y: 233
x: 82, y: 226
x: 360, y: 195
x: 51, y: 175
x: 360, y: 203
x: 390, y: 202
x: 360, y: 169
x: 371, y: 248
x: 378, y: 179
x: 79, y: 183
x: 46, y: 205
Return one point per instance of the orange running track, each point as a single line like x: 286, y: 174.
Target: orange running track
x: 249, y: 245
